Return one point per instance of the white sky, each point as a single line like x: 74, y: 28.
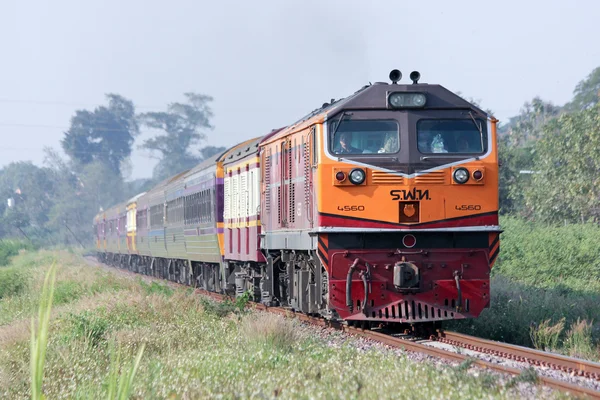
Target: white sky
x: 267, y: 63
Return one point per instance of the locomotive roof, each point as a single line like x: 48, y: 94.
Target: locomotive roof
x: 374, y: 97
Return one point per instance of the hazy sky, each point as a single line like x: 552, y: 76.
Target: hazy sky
x: 267, y: 63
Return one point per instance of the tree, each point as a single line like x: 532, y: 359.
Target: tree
x: 566, y: 185
x: 104, y: 135
x: 183, y: 125
x: 526, y: 128
x: 80, y: 196
x: 30, y: 188
x: 512, y: 159
x: 587, y: 92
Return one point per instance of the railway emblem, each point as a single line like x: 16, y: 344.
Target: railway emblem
x: 409, y: 210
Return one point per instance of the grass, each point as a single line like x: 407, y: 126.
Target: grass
x: 10, y: 248
x: 151, y: 343
x: 39, y: 339
x: 545, y: 290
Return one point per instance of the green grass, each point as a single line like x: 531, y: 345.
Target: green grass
x: 545, y: 289
x: 562, y: 258
x: 10, y: 248
x: 148, y: 342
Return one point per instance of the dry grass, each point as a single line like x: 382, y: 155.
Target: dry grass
x: 546, y: 336
x: 270, y: 330
x: 579, y: 340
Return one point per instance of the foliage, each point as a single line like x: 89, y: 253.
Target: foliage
x: 527, y: 127
x: 183, y: 125
x: 546, y: 335
x: 548, y: 256
x: 566, y: 185
x: 157, y: 288
x: 586, y: 93
x: 512, y: 159
x: 10, y: 248
x: 105, y: 134
x: 224, y: 308
x: 13, y: 282
x: 94, y: 187
x: 29, y: 187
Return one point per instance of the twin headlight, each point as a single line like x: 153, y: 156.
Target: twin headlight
x: 406, y: 100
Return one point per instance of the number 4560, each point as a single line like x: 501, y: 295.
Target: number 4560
x: 351, y: 208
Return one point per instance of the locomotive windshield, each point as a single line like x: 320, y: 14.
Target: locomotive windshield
x: 366, y: 137
x: 460, y: 136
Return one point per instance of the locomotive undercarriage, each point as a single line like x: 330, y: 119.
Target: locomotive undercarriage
x: 294, y: 279
x: 291, y: 279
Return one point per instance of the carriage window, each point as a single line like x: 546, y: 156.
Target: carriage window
x: 451, y: 136
x: 365, y: 137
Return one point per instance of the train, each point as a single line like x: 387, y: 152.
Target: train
x: 378, y: 208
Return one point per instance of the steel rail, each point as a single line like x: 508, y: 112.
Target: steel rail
x: 579, y: 367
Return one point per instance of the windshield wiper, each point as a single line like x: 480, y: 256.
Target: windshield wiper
x: 339, y: 123
x: 479, y: 127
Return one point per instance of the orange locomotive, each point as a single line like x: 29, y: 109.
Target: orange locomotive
x: 383, y: 206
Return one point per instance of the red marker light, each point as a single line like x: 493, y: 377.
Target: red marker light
x: 340, y: 176
x: 477, y: 175
x: 409, y: 241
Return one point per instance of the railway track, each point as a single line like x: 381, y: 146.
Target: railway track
x: 568, y: 365
x: 574, y: 366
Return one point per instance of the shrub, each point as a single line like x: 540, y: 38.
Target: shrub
x: 10, y: 248
x: 13, y: 282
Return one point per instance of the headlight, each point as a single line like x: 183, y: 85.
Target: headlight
x: 461, y: 175
x: 406, y: 100
x: 357, y: 176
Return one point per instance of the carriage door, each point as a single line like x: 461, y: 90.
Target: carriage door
x: 286, y: 167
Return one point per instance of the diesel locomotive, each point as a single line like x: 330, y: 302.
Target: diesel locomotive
x: 381, y: 207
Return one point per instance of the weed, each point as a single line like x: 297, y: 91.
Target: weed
x: 579, y: 340
x: 119, y: 387
x: 270, y: 330
x: 13, y: 281
x: 226, y: 307
x: 89, y: 325
x: 465, y: 365
x: 39, y: 339
x: 67, y: 292
x: 527, y: 375
x: 155, y: 288
x: 545, y: 336
x: 10, y: 248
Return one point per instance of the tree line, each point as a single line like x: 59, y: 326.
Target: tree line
x: 55, y: 203
x: 550, y: 158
